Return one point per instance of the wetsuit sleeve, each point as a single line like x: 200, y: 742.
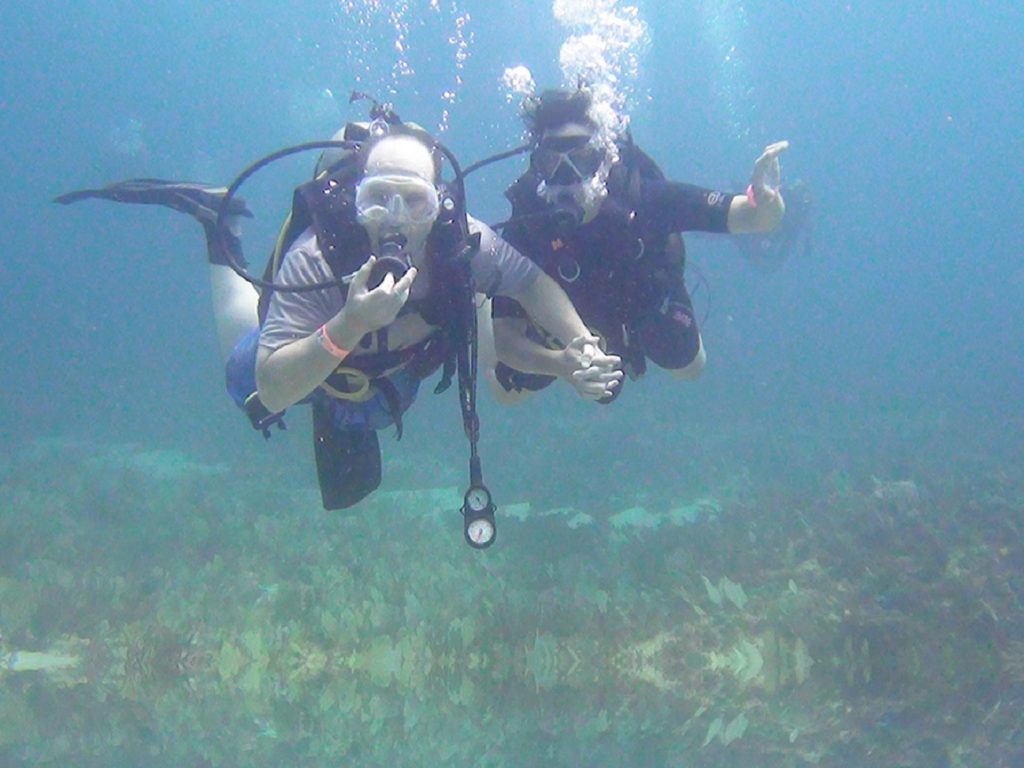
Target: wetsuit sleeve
x: 498, y: 268
x: 677, y: 207
x: 293, y: 316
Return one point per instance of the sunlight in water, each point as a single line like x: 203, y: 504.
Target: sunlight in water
x: 725, y: 26
x: 602, y: 49
x: 382, y: 70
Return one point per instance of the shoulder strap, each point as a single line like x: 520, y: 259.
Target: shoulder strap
x: 634, y: 167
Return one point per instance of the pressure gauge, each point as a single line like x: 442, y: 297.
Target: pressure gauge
x: 480, y: 532
x: 478, y: 499
x: 478, y: 515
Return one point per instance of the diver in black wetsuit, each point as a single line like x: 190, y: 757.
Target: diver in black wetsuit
x: 604, y: 222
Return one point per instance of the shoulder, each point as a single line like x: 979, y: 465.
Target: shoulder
x: 304, y: 262
x: 492, y: 245
x: 498, y: 266
x: 488, y: 237
x: 292, y: 315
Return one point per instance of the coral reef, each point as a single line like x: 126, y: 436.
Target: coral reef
x: 220, y: 627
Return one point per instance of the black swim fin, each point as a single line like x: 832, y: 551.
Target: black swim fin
x: 347, y: 460
x: 200, y: 201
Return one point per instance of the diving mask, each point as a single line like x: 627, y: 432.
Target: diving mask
x: 567, y: 160
x: 397, y: 200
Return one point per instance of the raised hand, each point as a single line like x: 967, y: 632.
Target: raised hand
x: 766, y: 177
x: 368, y: 310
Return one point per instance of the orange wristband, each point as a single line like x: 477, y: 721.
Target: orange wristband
x: 325, y: 342
x: 752, y: 195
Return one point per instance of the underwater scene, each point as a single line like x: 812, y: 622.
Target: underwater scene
x: 810, y: 554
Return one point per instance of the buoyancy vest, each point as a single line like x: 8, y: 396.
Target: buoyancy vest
x: 610, y: 266
x: 327, y: 205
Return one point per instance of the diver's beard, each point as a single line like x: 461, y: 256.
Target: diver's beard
x: 575, y: 204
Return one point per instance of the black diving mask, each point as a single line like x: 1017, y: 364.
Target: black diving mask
x: 568, y: 160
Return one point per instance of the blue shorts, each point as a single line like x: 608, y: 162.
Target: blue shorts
x: 374, y: 413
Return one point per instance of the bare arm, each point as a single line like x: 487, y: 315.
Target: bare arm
x: 548, y: 306
x: 578, y: 357
x: 765, y: 212
x: 517, y: 350
x: 289, y: 373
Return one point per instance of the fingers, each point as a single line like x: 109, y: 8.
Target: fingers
x: 589, y: 354
x: 590, y: 390
x: 607, y: 362
x: 772, y: 151
x: 603, y: 377
x: 580, y: 343
x: 361, y: 277
x: 594, y: 383
x: 764, y: 162
x: 393, y: 291
x: 404, y: 285
x: 606, y: 381
x: 595, y: 387
x: 767, y: 174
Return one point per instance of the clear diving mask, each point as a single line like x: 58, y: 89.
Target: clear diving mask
x: 396, y: 200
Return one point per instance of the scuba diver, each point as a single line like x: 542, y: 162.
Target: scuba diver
x: 604, y: 223
x: 379, y: 279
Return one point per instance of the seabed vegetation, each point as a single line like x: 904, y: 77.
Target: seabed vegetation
x: 155, y: 612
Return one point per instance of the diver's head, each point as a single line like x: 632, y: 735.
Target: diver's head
x: 567, y: 156
x: 397, y: 200
x: 554, y: 108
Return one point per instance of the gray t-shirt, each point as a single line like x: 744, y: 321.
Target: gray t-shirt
x: 498, y: 269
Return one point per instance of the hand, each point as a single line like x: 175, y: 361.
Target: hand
x: 767, y: 175
x: 595, y: 384
x: 594, y: 374
x: 366, y: 310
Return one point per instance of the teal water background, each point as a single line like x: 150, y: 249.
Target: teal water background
x: 905, y: 122
x: 895, y: 346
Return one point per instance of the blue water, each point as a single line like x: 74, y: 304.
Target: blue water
x: 898, y: 335
x: 906, y: 124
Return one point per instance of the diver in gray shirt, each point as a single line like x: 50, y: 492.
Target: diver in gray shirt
x: 376, y: 287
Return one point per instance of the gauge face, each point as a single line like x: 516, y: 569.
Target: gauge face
x: 478, y: 499
x: 480, y: 531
